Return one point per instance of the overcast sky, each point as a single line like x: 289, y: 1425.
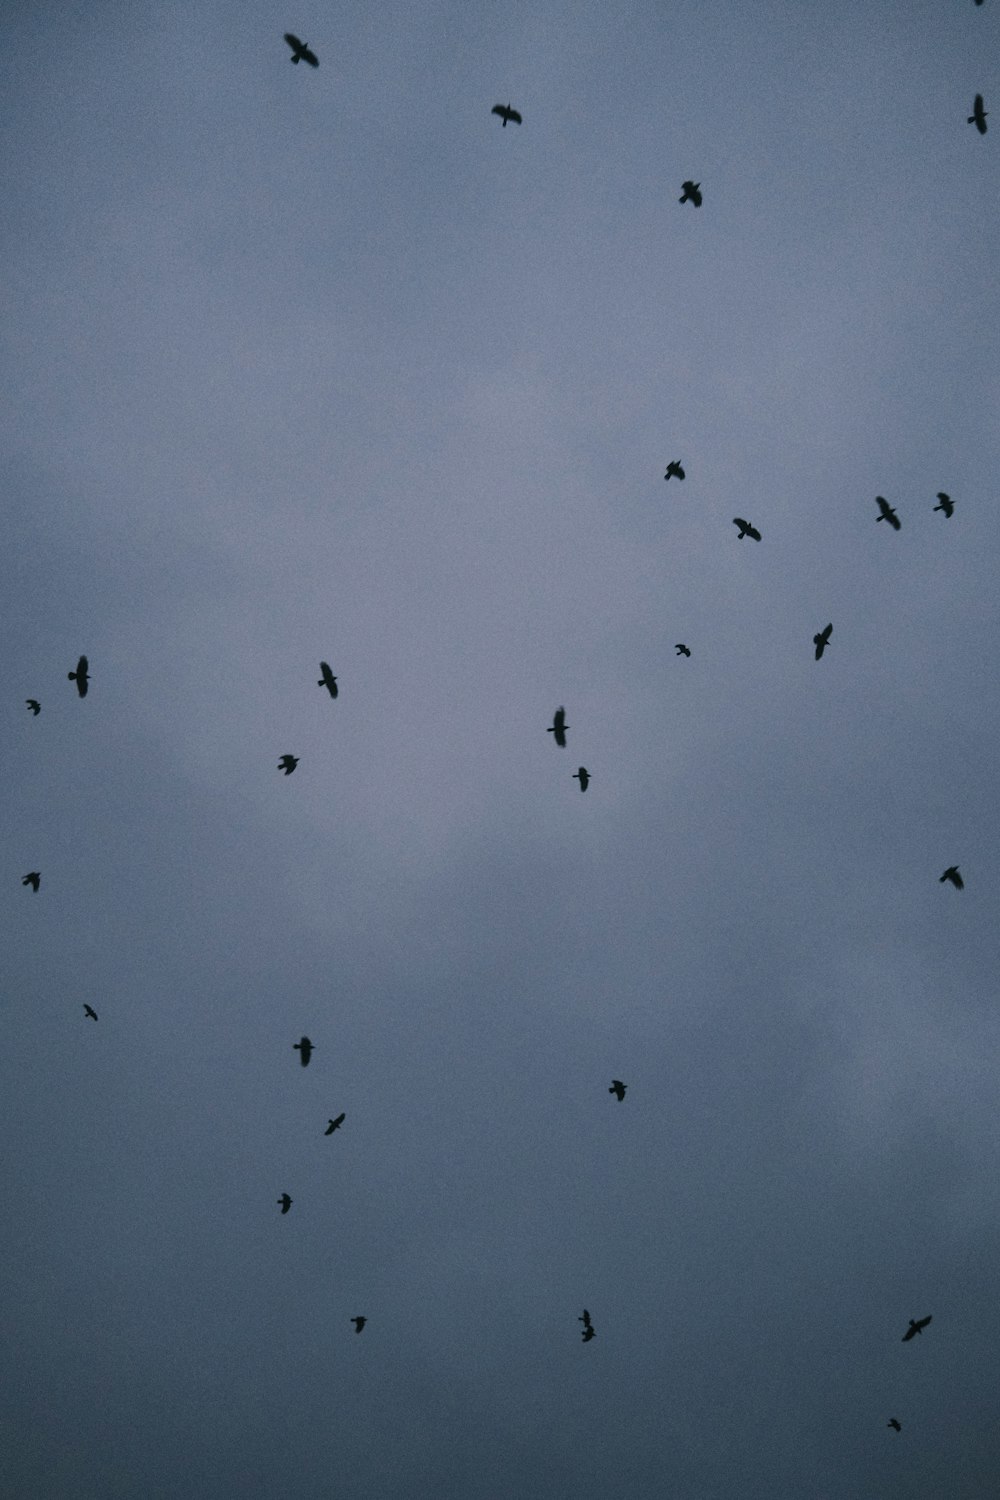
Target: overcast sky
x: 308, y: 365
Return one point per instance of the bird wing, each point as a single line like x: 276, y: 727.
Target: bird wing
x: 739, y: 521
x: 922, y: 1322
x: 339, y: 1120
x: 293, y: 41
x: 309, y: 56
x: 908, y: 1335
x: 752, y: 531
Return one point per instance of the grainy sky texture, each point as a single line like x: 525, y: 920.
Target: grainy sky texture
x: 308, y: 365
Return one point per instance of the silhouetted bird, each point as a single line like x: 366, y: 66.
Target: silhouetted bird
x: 327, y: 680
x: 590, y: 1332
x: 335, y: 1124
x: 952, y: 874
x: 287, y: 763
x: 691, y: 194
x: 822, y: 640
x: 558, y: 727
x: 618, y: 1089
x: 80, y: 676
x: 89, y: 1011
x: 682, y: 650
x: 359, y: 1323
x: 34, y: 705
x: 300, y: 51
x: 583, y: 777
x: 674, y: 470
x: 33, y: 878
x: 915, y: 1327
x: 888, y: 514
x: 746, y: 529
x: 506, y: 113
x: 305, y: 1051
x: 978, y: 116
x: 947, y: 503
x: 892, y: 1420
x: 285, y: 1202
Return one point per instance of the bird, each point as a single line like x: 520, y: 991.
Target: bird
x: 674, y: 470
x: 285, y: 1202
x: 692, y: 193
x: 978, y: 116
x: 359, y: 1323
x: 88, y: 1010
x: 335, y: 1124
x: 893, y: 1423
x: 583, y: 777
x: 506, y: 113
x: 618, y: 1089
x: 682, y: 650
x: 952, y: 874
x: 327, y: 680
x: 33, y: 878
x: 746, y: 529
x: 915, y: 1327
x: 887, y: 513
x: 305, y: 1051
x: 287, y: 763
x: 558, y: 727
x: 80, y: 676
x: 34, y: 705
x: 947, y: 504
x: 822, y: 640
x: 300, y: 51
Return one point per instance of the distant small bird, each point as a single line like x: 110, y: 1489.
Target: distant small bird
x: 822, y: 640
x: 892, y: 1420
x: 952, y: 874
x: 674, y: 470
x: 300, y: 51
x: 978, y: 116
x: 33, y: 878
x: 558, y: 727
x: 89, y: 1011
x: 34, y: 705
x: 81, y: 676
x: 359, y: 1323
x: 506, y: 113
x: 327, y: 680
x: 335, y: 1124
x: 583, y: 777
x: 285, y: 1202
x: 287, y: 763
x: 305, y: 1051
x: 947, y: 504
x: 682, y: 650
x: 691, y: 194
x: 618, y: 1089
x: 915, y: 1327
x: 887, y: 513
x: 746, y: 529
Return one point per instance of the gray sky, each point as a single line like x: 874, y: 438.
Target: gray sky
x: 326, y: 364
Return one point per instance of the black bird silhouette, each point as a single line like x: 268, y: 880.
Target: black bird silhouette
x: 892, y: 1420
x: 692, y: 193
x: 682, y: 650
x: 746, y: 529
x: 89, y: 1011
x: 287, y: 763
x: 618, y: 1089
x: 81, y: 676
x: 887, y: 513
x: 674, y: 470
x: 583, y: 777
x: 33, y: 878
x: 300, y: 51
x: 947, y: 504
x: 978, y: 116
x: 506, y: 113
x: 359, y: 1323
x: 34, y: 705
x: 915, y: 1327
x: 558, y: 727
x: 305, y: 1051
x: 585, y: 1320
x: 327, y: 680
x: 952, y: 874
x: 285, y: 1202
x: 335, y: 1124
x: 822, y: 640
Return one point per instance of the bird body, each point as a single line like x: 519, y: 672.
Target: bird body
x: 287, y: 763
x: 335, y: 1124
x: 300, y: 51
x: 952, y: 874
x: 822, y: 640
x: 590, y: 1332
x: 978, y: 116
x: 81, y: 676
x: 916, y: 1326
x: 305, y: 1050
x: 327, y: 680
x: 34, y: 705
x: 682, y: 650
x: 506, y: 113
x: 88, y: 1010
x: 583, y: 777
x: 618, y: 1089
x: 558, y: 727
x: 887, y: 513
x: 33, y: 878
x: 947, y: 504
x: 691, y: 193
x: 359, y: 1323
x: 674, y: 470
x: 894, y: 1424
x: 746, y: 529
x: 285, y: 1202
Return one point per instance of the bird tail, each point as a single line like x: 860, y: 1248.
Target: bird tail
x: 294, y: 59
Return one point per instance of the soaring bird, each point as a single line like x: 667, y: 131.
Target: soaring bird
x: 692, y: 193
x: 915, y: 1327
x: 887, y: 513
x: 88, y: 1010
x: 583, y: 777
x: 952, y: 874
x: 822, y: 640
x: 618, y: 1089
x: 558, y: 727
x: 978, y: 116
x: 300, y: 51
x: 33, y: 878
x: 327, y: 680
x: 285, y: 1202
x: 674, y: 470
x: 506, y: 113
x: 947, y: 504
x: 746, y: 529
x: 359, y: 1323
x: 305, y: 1051
x: 894, y: 1424
x: 287, y: 763
x: 682, y: 650
x: 335, y: 1124
x: 80, y: 676
x: 34, y: 705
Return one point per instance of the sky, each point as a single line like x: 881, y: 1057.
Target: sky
x: 327, y: 365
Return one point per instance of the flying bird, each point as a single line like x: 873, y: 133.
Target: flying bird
x: 822, y: 640
x: 887, y: 513
x: 285, y: 1202
x: 746, y: 529
x: 506, y: 113
x: 915, y: 1327
x: 89, y: 1011
x: 335, y: 1124
x: 359, y: 1323
x: 618, y: 1089
x: 33, y: 878
x: 300, y: 51
x: 947, y: 504
x: 34, y: 705
x: 287, y: 763
x: 558, y: 727
x: 674, y: 470
x: 682, y: 650
x: 692, y: 193
x: 80, y: 676
x: 305, y: 1051
x: 327, y: 680
x: 978, y: 116
x: 892, y: 1420
x: 583, y: 777
x: 952, y: 874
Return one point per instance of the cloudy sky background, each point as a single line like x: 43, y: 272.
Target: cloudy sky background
x: 307, y: 365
